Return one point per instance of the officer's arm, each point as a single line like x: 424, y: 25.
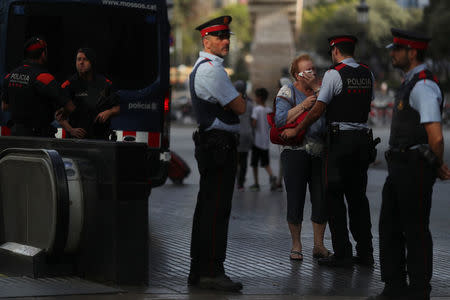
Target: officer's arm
x: 48, y: 87
x: 4, y: 95
x: 316, y: 112
x: 4, y: 101
x: 435, y: 139
x: 436, y: 142
x: 4, y: 106
x: 115, y: 110
x: 237, y: 105
x: 69, y: 107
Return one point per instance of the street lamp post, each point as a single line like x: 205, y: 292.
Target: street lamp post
x: 363, y: 19
x: 363, y: 12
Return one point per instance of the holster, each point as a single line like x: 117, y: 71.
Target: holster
x: 218, y: 143
x: 429, y: 156
x: 332, y: 134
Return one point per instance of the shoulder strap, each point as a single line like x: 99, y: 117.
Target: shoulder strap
x: 192, y: 76
x: 291, y: 101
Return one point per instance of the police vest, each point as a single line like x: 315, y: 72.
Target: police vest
x: 29, y: 102
x: 352, y: 104
x: 406, y: 129
x: 90, y: 98
x: 205, y: 111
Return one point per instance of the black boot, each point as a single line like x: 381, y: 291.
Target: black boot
x: 220, y: 283
x: 333, y: 261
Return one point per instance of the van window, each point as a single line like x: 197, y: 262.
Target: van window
x: 125, y: 39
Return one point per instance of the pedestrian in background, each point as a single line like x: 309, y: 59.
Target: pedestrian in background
x: 260, y: 149
x: 217, y: 105
x: 284, y: 80
x: 302, y: 164
x: 344, y: 98
x: 245, y: 135
x: 415, y: 159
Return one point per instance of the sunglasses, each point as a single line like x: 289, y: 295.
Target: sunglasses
x: 221, y: 34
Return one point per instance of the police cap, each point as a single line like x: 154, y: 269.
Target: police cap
x: 33, y: 44
x: 408, y: 39
x: 336, y: 39
x: 217, y: 27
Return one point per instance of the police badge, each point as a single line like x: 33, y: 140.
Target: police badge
x: 400, y: 105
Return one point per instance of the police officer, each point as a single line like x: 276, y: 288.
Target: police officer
x: 96, y: 102
x: 414, y: 160
x: 217, y: 105
x: 32, y: 94
x: 345, y: 95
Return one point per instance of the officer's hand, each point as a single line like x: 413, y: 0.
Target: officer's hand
x: 79, y: 133
x: 444, y: 172
x: 309, y: 102
x: 288, y: 133
x: 103, y: 116
x: 59, y: 115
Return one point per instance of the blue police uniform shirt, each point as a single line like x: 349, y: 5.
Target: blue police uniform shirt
x: 425, y: 97
x: 332, y: 86
x: 213, y: 84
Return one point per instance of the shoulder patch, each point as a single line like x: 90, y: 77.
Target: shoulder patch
x: 65, y: 84
x: 340, y: 66
x: 364, y: 65
x: 45, y: 78
x: 285, y: 92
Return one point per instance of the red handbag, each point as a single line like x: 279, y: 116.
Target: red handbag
x: 275, y: 132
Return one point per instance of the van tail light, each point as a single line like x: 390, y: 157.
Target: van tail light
x: 165, y: 139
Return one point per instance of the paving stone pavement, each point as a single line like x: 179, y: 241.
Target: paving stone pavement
x: 259, y: 244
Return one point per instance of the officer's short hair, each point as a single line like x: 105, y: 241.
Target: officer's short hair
x: 421, y: 55
x: 262, y: 93
x: 90, y: 55
x: 34, y: 47
x: 346, y: 49
x: 294, y: 65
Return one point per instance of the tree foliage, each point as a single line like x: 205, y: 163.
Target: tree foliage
x: 436, y: 21
x: 241, y: 22
x: 323, y: 21
x: 188, y: 15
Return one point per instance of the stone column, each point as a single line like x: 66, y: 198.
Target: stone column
x: 272, y: 49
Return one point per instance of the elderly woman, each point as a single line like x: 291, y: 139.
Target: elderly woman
x: 302, y: 164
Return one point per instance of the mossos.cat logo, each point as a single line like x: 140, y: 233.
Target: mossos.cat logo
x: 149, y: 106
x: 128, y: 4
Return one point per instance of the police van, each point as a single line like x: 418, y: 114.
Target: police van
x: 131, y: 40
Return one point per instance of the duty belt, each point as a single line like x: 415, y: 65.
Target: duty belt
x: 216, y: 135
x: 422, y: 151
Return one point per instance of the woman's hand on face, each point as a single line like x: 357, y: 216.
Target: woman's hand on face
x: 311, y: 80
